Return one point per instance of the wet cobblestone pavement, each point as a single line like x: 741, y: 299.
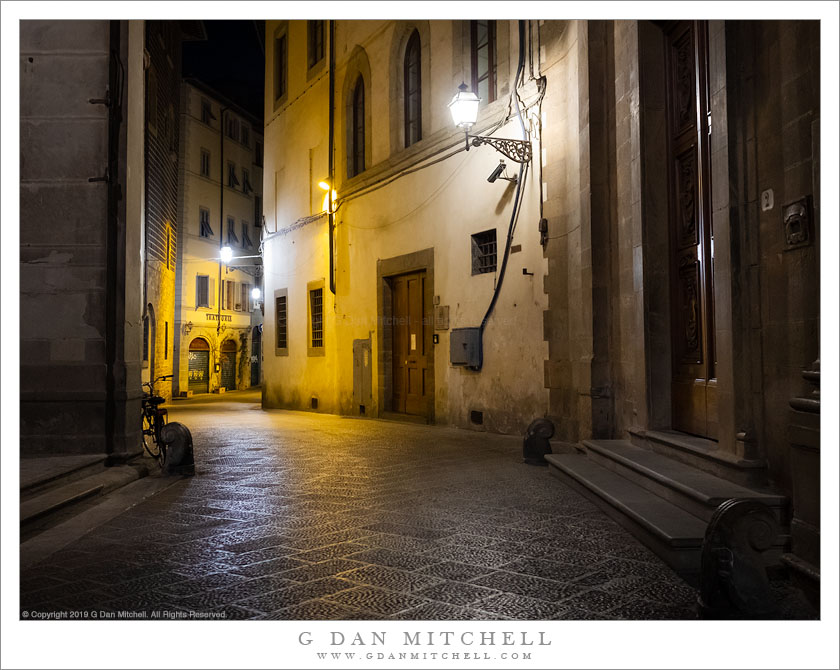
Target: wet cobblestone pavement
x: 293, y: 515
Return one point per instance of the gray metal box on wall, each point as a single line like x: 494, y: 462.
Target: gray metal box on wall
x: 465, y: 347
x: 362, y: 376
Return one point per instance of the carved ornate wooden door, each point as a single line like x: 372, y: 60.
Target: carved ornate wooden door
x: 693, y: 387
x: 411, y: 341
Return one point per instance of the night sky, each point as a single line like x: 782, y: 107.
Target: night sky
x: 231, y: 60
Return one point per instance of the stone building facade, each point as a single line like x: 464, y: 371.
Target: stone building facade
x: 82, y: 125
x: 163, y: 86
x: 98, y: 207
x: 218, y: 324
x: 662, y: 283
x: 361, y: 305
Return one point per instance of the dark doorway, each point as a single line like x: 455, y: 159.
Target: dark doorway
x: 411, y: 333
x: 199, y: 366
x: 694, y: 383
x: 228, y: 364
x: 256, y: 355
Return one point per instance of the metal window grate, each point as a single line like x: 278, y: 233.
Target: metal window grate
x: 280, y: 305
x: 484, y: 252
x: 316, y: 308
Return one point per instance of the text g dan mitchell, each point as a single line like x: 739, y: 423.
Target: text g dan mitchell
x: 429, y: 638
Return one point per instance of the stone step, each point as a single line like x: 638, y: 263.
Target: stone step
x: 693, y: 490
x: 672, y: 533
x: 37, y: 512
x: 39, y: 474
x: 702, y: 454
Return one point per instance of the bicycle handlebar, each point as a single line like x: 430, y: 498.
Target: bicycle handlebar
x: 151, y: 384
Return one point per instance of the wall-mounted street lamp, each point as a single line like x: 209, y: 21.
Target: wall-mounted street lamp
x: 464, y: 110
x: 329, y: 198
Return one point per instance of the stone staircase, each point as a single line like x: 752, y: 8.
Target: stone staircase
x: 667, y: 504
x: 54, y: 489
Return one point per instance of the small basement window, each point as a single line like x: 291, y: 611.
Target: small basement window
x: 484, y: 252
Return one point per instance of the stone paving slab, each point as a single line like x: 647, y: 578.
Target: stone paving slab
x: 295, y: 515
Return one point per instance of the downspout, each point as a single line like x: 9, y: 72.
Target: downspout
x: 115, y: 88
x: 331, y: 160
x: 221, y: 211
x: 516, y: 203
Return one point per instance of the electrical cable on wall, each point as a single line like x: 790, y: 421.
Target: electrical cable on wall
x: 517, y: 201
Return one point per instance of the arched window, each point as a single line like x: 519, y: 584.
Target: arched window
x: 411, y: 78
x: 356, y: 164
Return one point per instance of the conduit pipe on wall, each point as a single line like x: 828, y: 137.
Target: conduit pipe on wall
x: 222, y: 111
x: 116, y: 80
x: 516, y: 203
x: 330, y: 158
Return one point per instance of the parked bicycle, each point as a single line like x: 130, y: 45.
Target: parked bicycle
x: 153, y: 420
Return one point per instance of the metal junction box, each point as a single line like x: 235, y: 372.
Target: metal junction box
x: 465, y: 347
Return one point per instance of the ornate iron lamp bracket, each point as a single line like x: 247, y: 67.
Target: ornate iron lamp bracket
x: 517, y: 150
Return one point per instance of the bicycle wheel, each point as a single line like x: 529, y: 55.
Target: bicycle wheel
x: 149, y: 442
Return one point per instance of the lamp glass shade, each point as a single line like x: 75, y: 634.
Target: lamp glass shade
x: 464, y: 107
x: 226, y: 254
x: 255, y: 293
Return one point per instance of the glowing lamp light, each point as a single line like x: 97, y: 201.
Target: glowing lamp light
x: 464, y: 107
x: 255, y: 293
x: 324, y: 186
x: 226, y: 254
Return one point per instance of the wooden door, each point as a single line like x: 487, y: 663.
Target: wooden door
x: 256, y: 355
x: 693, y: 387
x: 411, y: 345
x: 228, y: 361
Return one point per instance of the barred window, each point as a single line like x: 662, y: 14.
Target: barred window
x: 316, y: 316
x: 484, y: 252
x: 280, y: 311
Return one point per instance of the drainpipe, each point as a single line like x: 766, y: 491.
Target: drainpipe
x: 221, y: 211
x: 331, y: 160
x: 115, y: 84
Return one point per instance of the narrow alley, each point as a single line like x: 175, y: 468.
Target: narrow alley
x: 295, y: 515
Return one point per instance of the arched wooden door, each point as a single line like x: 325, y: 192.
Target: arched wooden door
x: 199, y: 366
x: 228, y: 361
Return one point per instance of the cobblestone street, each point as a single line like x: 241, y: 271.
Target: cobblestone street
x: 295, y: 515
